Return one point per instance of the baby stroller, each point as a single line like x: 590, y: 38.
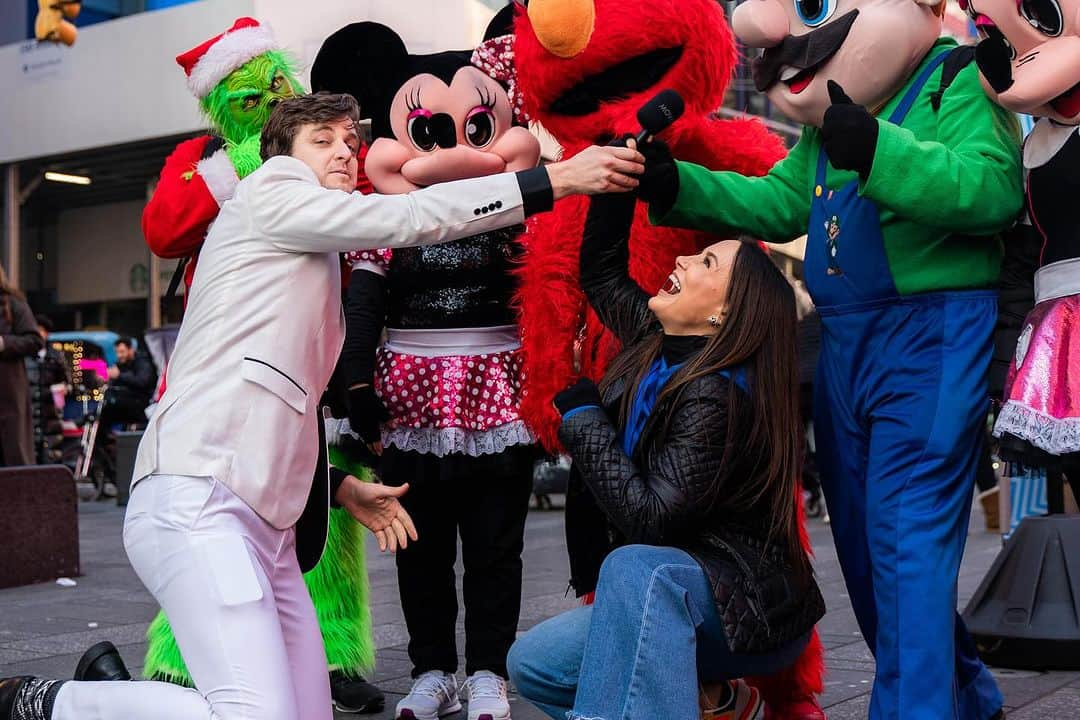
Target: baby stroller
x: 550, y: 477
x: 94, y: 470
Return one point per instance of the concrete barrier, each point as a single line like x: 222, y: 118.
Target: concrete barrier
x: 39, y: 525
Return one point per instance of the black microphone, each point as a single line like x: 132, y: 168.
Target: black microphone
x: 659, y: 113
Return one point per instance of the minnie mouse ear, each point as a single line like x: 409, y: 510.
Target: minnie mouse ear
x: 366, y: 60
x: 502, y: 23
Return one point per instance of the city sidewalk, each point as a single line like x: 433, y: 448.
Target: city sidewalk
x: 44, y: 628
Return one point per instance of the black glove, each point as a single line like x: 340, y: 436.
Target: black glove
x: 583, y: 392
x: 659, y: 184
x: 849, y: 133
x: 366, y: 411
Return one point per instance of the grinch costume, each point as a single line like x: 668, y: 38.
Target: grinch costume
x: 238, y: 77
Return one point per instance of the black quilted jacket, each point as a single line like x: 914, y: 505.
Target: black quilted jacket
x: 672, y: 490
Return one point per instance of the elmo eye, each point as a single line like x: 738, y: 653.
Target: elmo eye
x: 1043, y: 15
x: 480, y: 127
x: 815, y: 12
x: 419, y: 129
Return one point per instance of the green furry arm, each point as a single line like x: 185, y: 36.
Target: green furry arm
x: 245, y: 156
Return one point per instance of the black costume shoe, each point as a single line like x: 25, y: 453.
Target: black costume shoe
x: 352, y: 694
x: 102, y: 662
x: 999, y: 715
x: 27, y: 698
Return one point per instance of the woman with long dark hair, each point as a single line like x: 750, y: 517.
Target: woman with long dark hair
x: 19, y: 340
x: 690, y: 448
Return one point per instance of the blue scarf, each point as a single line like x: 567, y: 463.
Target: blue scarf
x: 645, y: 401
x: 649, y: 390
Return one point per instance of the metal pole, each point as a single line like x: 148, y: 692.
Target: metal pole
x: 11, y: 223
x: 154, y: 263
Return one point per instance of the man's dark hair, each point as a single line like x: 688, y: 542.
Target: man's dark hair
x: 44, y: 321
x: 125, y: 340
x: 322, y: 107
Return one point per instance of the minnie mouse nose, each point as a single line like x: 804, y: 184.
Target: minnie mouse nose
x: 563, y: 26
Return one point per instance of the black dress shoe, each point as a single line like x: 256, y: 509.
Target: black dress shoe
x: 352, y: 694
x: 101, y: 662
x: 9, y: 688
x: 999, y: 715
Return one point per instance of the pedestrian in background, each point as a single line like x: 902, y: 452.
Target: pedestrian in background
x: 19, y: 340
x: 47, y: 370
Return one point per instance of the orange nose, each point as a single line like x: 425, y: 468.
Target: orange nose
x: 563, y: 26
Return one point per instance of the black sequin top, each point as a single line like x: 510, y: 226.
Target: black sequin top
x: 466, y: 283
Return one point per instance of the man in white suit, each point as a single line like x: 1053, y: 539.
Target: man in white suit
x: 225, y: 467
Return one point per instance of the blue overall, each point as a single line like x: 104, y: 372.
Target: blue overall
x: 900, y: 398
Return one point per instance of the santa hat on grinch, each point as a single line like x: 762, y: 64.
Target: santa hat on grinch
x: 212, y: 61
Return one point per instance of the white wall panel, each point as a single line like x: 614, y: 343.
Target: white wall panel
x: 119, y: 83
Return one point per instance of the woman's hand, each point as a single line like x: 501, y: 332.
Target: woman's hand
x: 376, y: 507
x: 582, y: 393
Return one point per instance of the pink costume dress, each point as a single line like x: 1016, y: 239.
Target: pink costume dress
x: 1039, y: 421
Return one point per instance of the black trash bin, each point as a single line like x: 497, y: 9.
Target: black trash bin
x: 127, y: 445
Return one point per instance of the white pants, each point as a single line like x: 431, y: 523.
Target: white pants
x: 232, y: 590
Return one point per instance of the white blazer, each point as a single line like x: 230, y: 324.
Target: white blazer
x: 263, y: 326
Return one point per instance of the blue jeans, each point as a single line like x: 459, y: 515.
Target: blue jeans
x: 639, y: 650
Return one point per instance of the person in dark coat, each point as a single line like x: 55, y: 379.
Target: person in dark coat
x: 19, y: 340
x: 46, y: 369
x: 689, y: 452
x: 131, y: 384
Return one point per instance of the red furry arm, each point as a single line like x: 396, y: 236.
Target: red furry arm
x: 181, y: 209
x: 550, y: 305
x: 743, y: 145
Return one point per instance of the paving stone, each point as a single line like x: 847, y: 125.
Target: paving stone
x: 855, y: 708
x: 1063, y: 703
x: 45, y: 628
x: 1021, y: 687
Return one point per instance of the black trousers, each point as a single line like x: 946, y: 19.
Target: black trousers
x: 484, y: 499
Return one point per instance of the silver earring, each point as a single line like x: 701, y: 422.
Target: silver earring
x: 713, y: 320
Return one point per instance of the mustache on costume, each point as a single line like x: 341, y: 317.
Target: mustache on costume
x: 801, y: 51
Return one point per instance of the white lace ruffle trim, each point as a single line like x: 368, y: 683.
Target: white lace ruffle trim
x: 1057, y: 436
x: 445, y: 441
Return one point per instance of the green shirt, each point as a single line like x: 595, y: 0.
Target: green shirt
x: 945, y: 182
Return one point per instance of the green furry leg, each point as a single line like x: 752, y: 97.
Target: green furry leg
x: 339, y: 591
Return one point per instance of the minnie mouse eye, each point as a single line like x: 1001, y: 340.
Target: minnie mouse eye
x: 480, y: 127
x: 1043, y: 15
x: 420, y: 132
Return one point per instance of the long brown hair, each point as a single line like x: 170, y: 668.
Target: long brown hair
x: 759, y: 334
x: 7, y: 291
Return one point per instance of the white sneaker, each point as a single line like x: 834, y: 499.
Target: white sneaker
x: 487, y: 696
x: 433, y: 694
